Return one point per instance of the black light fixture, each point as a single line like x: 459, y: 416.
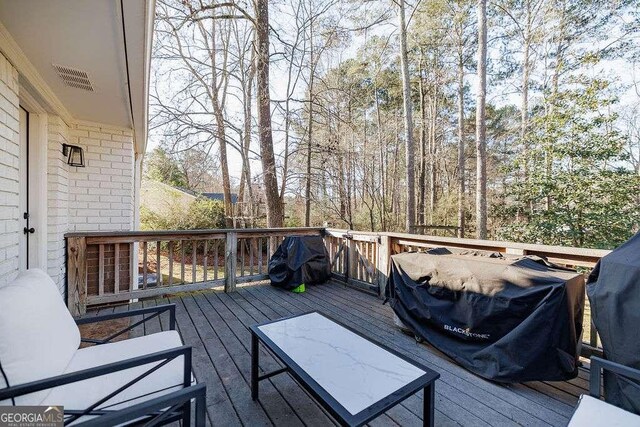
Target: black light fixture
x: 75, y: 155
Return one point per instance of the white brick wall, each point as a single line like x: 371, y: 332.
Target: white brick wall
x: 57, y: 199
x: 101, y: 194
x: 9, y: 171
x: 98, y: 197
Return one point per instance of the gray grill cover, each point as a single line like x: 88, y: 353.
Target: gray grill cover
x: 508, y: 320
x: 614, y: 293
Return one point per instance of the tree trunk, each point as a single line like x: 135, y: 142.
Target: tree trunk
x: 395, y: 178
x: 220, y: 131
x: 381, y: 164
x: 248, y: 118
x: 433, y: 164
x: 408, y: 122
x: 524, y: 109
x: 275, y: 211
x: 481, y: 130
x: 461, y: 147
x: 422, y: 181
x: 555, y: 82
x: 307, y: 190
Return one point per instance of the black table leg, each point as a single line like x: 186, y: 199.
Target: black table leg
x: 254, y: 366
x: 429, y: 404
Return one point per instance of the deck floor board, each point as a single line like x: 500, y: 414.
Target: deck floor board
x: 473, y: 395
x: 450, y: 387
x: 216, y: 325
x: 546, y: 406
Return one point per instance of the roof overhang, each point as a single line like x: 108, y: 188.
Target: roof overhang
x: 110, y: 40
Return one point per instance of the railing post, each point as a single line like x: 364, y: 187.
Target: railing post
x: 384, y: 261
x: 231, y: 261
x: 352, y: 257
x: 77, y: 275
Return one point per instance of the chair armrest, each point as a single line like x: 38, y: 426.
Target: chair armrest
x: 154, y: 311
x: 156, y: 410
x: 157, y: 310
x: 163, y: 356
x: 598, y: 364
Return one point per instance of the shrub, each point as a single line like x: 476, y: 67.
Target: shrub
x: 200, y: 214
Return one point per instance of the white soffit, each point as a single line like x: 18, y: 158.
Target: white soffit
x: 87, y: 36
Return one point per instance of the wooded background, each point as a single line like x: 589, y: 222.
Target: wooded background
x: 514, y: 120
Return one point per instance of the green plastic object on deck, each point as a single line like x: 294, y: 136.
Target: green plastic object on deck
x: 300, y: 289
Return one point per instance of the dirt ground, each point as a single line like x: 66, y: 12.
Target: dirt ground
x: 105, y: 329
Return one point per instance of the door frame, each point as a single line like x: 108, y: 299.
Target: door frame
x: 37, y: 191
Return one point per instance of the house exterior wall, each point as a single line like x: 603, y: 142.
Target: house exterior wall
x: 9, y: 172
x: 98, y: 197
x: 101, y: 194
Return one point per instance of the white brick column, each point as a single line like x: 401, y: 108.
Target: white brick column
x: 57, y: 199
x: 9, y: 172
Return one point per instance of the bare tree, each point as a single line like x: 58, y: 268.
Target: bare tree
x: 461, y: 34
x: 312, y: 73
x: 459, y: 30
x: 275, y: 209
x: 408, y: 119
x: 481, y: 126
x: 338, y: 142
x: 191, y: 48
x: 220, y: 121
x: 246, y: 77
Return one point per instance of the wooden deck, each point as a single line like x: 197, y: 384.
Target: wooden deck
x: 216, y: 325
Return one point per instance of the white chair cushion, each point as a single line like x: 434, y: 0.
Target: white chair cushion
x: 83, y: 394
x: 598, y: 413
x: 38, y: 336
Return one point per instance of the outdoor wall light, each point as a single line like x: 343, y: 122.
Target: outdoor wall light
x: 75, y: 155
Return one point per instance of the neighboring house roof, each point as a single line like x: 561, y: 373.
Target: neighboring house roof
x: 157, y: 196
x: 110, y: 43
x: 211, y: 196
x: 220, y: 196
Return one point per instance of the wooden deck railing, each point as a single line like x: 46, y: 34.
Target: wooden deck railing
x: 362, y: 260
x: 100, y: 265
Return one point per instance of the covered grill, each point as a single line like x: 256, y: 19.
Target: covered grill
x: 614, y: 293
x: 299, y: 260
x: 508, y: 320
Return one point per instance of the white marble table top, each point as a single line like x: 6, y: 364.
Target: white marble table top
x: 353, y: 370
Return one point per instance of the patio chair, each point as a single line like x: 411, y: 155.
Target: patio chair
x: 147, y: 378
x: 591, y: 411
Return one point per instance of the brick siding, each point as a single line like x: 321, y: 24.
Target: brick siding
x: 101, y: 194
x: 9, y: 172
x: 98, y: 197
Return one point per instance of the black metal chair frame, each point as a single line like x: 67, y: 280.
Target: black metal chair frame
x: 598, y: 365
x: 161, y: 410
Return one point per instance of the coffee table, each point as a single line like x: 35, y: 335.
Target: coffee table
x: 354, y: 378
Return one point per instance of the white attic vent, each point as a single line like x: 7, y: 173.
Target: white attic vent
x: 74, y: 78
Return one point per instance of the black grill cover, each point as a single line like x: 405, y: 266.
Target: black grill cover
x: 508, y: 320
x: 298, y: 260
x: 614, y: 293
